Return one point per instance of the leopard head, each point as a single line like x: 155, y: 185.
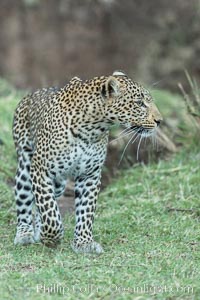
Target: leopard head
x: 129, y: 104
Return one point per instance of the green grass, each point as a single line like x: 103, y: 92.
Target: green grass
x: 147, y: 222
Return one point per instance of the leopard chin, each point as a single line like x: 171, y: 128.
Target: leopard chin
x: 148, y: 132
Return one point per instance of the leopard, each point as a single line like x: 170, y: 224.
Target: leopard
x: 63, y: 133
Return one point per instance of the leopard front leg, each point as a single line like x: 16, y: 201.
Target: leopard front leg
x: 59, y: 188
x: 86, y: 192
x: 51, y: 231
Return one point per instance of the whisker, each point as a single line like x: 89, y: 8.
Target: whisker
x: 127, y: 147
x: 120, y: 137
x: 158, y: 81
x: 138, y: 147
x: 156, y: 142
x: 124, y: 130
x: 145, y: 140
x: 135, y: 137
x: 138, y: 132
x: 153, y: 141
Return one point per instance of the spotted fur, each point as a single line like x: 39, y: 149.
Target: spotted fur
x: 63, y: 133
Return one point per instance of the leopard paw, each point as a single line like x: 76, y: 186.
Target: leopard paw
x: 25, y: 239
x: 50, y: 242
x: 91, y: 247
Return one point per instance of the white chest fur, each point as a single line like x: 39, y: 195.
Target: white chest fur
x: 79, y: 159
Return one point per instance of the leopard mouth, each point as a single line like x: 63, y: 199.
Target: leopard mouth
x: 143, y: 131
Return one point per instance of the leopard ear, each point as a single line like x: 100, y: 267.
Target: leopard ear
x: 111, y: 88
x: 119, y: 73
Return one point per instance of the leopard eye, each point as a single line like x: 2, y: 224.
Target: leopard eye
x: 140, y: 103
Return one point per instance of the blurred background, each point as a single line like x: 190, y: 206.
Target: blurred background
x: 45, y: 43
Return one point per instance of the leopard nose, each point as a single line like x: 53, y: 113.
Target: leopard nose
x: 157, y: 122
